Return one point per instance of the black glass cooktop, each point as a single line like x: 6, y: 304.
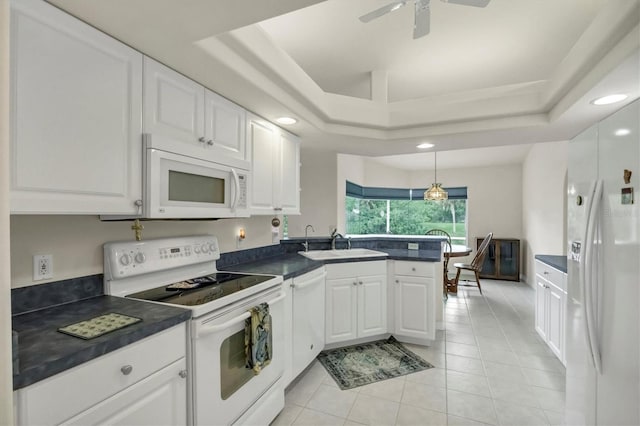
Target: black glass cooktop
x: 200, y: 290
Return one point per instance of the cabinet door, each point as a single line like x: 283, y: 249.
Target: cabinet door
x: 555, y: 322
x: 372, y: 305
x: 541, y: 306
x: 289, y: 197
x: 225, y: 127
x: 76, y: 105
x: 263, y: 141
x: 341, y: 313
x: 414, y: 296
x: 173, y: 104
x: 160, y: 399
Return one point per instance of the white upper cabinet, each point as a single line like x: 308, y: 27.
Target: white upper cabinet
x: 290, y: 172
x: 76, y: 106
x: 225, y: 126
x: 275, y: 168
x: 185, y: 111
x: 173, y: 104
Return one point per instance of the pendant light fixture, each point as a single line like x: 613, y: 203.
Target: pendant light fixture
x: 436, y: 192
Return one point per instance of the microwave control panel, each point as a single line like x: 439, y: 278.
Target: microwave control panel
x: 242, y: 195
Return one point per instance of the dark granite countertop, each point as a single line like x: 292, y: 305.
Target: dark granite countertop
x: 291, y: 265
x: 288, y: 265
x: 44, y: 352
x: 557, y: 262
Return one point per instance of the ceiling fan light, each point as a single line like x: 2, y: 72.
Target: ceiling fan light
x: 435, y: 193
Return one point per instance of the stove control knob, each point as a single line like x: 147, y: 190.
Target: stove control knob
x: 212, y: 248
x: 205, y: 248
x: 125, y: 259
x: 196, y: 249
x: 140, y: 258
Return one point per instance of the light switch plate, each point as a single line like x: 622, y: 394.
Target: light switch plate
x: 412, y: 246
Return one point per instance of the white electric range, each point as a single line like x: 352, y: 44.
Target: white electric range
x: 182, y: 272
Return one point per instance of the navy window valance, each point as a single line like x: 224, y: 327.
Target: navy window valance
x: 374, y: 193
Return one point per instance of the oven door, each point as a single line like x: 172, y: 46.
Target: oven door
x: 223, y: 388
x: 178, y: 186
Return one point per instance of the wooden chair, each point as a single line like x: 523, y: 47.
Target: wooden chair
x: 445, y: 262
x: 476, y: 263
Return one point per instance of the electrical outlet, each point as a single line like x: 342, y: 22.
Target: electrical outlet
x: 412, y: 246
x: 42, y: 267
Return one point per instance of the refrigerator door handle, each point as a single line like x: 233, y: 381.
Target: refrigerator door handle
x: 591, y: 277
x: 585, y: 260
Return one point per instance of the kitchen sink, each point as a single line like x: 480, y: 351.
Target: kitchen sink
x: 341, y: 254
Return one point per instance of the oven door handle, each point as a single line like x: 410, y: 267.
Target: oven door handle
x: 219, y: 327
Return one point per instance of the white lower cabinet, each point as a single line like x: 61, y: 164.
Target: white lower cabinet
x: 308, y: 318
x: 144, y: 383
x: 415, y: 300
x: 550, y: 312
x: 356, y: 300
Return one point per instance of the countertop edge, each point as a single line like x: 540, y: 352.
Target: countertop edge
x: 555, y: 261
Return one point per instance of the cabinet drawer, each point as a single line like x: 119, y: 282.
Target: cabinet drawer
x: 554, y: 276
x: 356, y: 269
x: 58, y: 398
x: 415, y: 269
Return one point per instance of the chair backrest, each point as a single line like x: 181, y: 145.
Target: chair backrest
x: 478, y: 259
x: 447, y: 242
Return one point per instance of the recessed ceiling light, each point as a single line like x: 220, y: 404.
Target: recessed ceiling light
x: 622, y: 132
x: 610, y: 99
x: 425, y: 145
x: 286, y: 120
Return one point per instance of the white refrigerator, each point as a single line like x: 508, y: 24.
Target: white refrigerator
x: 603, y: 301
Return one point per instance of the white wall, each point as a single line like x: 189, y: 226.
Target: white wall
x: 76, y: 241
x: 6, y: 382
x: 494, y: 202
x: 544, y: 173
x: 318, y: 201
x: 350, y: 168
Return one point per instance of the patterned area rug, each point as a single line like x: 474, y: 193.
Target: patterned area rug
x: 359, y: 365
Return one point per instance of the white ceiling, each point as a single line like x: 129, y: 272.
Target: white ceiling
x: 515, y: 72
x: 468, y: 48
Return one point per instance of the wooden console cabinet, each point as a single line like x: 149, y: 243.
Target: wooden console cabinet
x: 502, y: 261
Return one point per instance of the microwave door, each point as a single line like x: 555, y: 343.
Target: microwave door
x: 185, y: 187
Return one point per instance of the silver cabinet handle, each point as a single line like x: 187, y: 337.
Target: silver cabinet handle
x: 126, y: 370
x: 201, y: 139
x: 360, y: 282
x: 397, y: 281
x: 546, y: 272
x: 413, y: 269
x: 355, y: 283
x: 209, y: 142
x: 183, y: 374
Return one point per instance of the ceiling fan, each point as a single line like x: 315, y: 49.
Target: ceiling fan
x: 422, y: 13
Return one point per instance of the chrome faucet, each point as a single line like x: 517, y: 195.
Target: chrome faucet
x: 306, y: 239
x: 335, y: 234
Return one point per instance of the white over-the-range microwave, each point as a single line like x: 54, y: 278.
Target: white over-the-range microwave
x: 188, y: 182
x: 181, y: 181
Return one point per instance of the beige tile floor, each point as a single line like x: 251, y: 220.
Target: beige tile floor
x: 491, y: 368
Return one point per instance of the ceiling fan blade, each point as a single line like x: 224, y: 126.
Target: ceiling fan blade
x: 383, y: 11
x: 474, y: 3
x: 422, y: 23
